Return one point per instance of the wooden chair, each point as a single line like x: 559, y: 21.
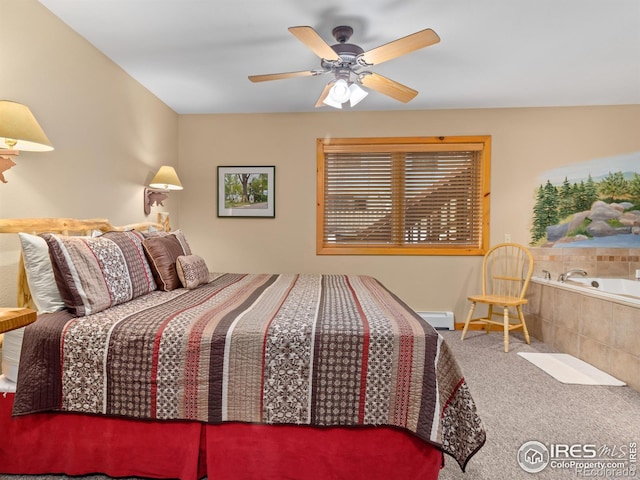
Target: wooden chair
x: 506, y: 272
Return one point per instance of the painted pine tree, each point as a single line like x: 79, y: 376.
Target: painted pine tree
x: 545, y: 211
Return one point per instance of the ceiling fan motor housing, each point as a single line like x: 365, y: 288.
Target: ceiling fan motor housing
x: 347, y: 49
x: 348, y: 52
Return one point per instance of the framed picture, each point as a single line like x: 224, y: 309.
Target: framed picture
x: 247, y: 192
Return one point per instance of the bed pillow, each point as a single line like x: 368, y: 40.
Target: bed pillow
x: 192, y: 271
x: 162, y: 253
x: 130, y: 243
x: 37, y: 265
x: 95, y: 273
x: 179, y: 234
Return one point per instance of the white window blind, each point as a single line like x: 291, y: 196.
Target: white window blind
x: 407, y: 198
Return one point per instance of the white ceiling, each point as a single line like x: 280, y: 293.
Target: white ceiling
x: 196, y: 55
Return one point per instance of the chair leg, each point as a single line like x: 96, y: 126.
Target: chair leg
x: 487, y: 326
x: 524, y: 325
x: 469, y: 316
x: 506, y: 329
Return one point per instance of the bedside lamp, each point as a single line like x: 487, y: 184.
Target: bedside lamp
x: 19, y: 130
x: 165, y: 180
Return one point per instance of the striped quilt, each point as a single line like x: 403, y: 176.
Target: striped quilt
x: 322, y: 350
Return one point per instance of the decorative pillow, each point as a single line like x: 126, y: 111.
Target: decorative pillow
x: 39, y: 271
x: 179, y: 234
x: 192, y: 271
x: 95, y: 273
x: 162, y: 253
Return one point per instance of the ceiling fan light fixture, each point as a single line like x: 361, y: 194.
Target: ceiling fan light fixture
x: 357, y: 94
x: 331, y: 103
x: 340, y: 92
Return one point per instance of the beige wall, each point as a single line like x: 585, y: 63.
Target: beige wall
x: 525, y: 143
x: 110, y: 134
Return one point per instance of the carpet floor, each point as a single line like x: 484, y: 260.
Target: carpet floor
x: 519, y: 403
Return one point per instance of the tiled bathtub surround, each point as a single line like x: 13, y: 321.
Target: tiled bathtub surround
x: 598, y: 262
x: 599, y: 331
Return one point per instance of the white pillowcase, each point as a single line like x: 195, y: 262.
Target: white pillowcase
x: 37, y: 265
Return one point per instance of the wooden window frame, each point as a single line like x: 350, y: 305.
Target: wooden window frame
x: 482, y: 144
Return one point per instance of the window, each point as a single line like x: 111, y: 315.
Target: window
x: 403, y: 196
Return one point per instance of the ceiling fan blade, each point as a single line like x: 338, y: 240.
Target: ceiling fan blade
x: 324, y: 94
x: 313, y: 41
x: 388, y: 87
x: 400, y: 47
x: 280, y: 76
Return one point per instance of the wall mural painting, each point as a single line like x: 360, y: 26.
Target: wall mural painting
x: 591, y: 204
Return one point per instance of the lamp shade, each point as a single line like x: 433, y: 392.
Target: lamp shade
x: 166, y: 179
x: 331, y: 102
x: 19, y: 129
x: 340, y: 92
x: 357, y: 94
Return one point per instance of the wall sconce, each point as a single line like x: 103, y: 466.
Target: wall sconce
x: 165, y: 180
x: 19, y: 130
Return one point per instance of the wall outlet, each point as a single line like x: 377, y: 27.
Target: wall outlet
x: 507, y: 238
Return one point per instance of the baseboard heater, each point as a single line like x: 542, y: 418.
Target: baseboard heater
x: 439, y: 320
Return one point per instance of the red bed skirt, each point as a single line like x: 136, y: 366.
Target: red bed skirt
x: 82, y: 444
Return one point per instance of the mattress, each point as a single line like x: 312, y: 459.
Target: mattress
x: 11, y: 345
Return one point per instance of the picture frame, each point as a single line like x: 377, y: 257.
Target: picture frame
x: 246, y: 192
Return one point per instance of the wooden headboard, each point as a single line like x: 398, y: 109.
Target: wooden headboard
x: 67, y: 226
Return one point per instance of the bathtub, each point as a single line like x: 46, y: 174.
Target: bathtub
x: 619, y: 290
x: 595, y: 324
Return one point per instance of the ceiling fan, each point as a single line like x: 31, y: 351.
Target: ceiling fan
x: 348, y: 64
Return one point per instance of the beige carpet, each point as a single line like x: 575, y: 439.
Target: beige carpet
x: 519, y: 403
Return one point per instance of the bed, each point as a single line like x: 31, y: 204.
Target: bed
x: 150, y: 365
